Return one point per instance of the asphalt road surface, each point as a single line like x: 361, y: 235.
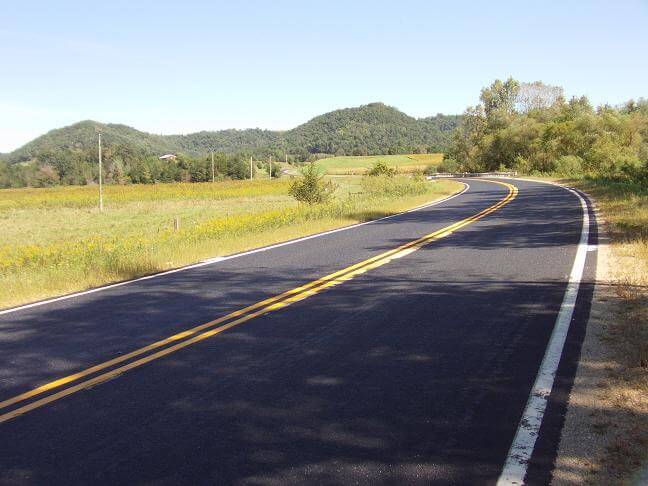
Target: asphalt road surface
x: 408, y: 366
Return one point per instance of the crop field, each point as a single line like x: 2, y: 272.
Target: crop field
x: 55, y: 240
x: 360, y: 164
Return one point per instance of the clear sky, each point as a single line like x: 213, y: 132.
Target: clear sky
x: 183, y: 66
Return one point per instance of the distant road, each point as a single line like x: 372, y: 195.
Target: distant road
x: 401, y: 351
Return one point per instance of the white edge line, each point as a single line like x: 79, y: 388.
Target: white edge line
x: 519, y: 454
x: 211, y: 261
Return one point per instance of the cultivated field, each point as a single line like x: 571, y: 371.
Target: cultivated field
x: 56, y: 241
x: 360, y: 164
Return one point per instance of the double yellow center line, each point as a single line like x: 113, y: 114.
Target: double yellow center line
x: 199, y: 333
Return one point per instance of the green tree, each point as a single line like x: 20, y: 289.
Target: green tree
x: 311, y: 187
x: 380, y: 168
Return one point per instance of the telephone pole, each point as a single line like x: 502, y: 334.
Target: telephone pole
x: 100, y: 177
x: 271, y: 167
x: 250, y: 167
x: 213, y: 174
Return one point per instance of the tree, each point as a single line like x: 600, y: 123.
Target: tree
x: 46, y: 176
x: 537, y: 96
x: 547, y: 134
x: 311, y: 187
x: 500, y: 97
x: 380, y: 168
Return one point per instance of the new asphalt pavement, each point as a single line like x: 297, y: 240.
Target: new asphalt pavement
x: 412, y: 369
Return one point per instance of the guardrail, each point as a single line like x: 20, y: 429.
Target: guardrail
x: 442, y: 175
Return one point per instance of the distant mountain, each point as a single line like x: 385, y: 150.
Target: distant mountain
x: 370, y: 129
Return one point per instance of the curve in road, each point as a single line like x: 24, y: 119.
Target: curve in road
x: 414, y: 371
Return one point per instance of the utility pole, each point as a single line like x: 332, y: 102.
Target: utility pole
x: 213, y: 174
x: 271, y: 167
x: 250, y: 167
x: 100, y: 177
x: 286, y: 158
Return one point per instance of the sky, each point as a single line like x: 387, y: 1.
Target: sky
x: 184, y: 66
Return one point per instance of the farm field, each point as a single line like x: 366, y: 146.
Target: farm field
x: 56, y: 241
x: 359, y: 164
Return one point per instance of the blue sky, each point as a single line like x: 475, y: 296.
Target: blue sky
x: 178, y: 67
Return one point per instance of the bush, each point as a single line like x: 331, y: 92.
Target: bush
x: 522, y: 165
x: 390, y: 186
x: 311, y: 188
x: 430, y: 170
x: 276, y: 170
x: 636, y: 172
x: 569, y: 166
x: 448, y: 165
x: 381, y: 169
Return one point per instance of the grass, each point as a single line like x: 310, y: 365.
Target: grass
x: 625, y: 210
x: 116, y: 196
x: 56, y: 241
x: 360, y: 164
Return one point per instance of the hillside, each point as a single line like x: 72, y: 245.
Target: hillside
x: 372, y: 129
x: 369, y: 129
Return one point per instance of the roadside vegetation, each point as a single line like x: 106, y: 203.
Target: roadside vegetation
x: 56, y: 241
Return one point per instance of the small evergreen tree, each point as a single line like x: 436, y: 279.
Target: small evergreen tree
x: 311, y: 188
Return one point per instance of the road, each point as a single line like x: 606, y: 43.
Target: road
x: 369, y: 355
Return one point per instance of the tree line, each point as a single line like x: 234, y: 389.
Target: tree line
x: 532, y: 128
x: 69, y: 155
x: 121, y: 165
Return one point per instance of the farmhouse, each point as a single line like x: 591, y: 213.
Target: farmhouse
x: 167, y: 157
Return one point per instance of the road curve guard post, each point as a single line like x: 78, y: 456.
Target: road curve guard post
x: 448, y: 175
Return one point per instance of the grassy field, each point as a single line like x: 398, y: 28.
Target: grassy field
x: 56, y: 241
x: 360, y: 164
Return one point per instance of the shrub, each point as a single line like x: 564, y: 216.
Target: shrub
x: 430, y: 170
x: 448, y: 165
x: 276, y: 170
x: 380, y: 168
x: 521, y: 164
x: 311, y: 188
x: 390, y: 186
x: 569, y: 165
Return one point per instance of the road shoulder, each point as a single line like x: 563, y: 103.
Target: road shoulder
x: 601, y: 442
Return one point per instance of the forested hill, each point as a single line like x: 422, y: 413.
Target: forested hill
x: 372, y: 129
x: 369, y: 129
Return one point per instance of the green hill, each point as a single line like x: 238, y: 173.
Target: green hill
x: 370, y: 130
x: 365, y: 130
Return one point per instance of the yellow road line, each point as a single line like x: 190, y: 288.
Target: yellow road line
x: 240, y: 316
